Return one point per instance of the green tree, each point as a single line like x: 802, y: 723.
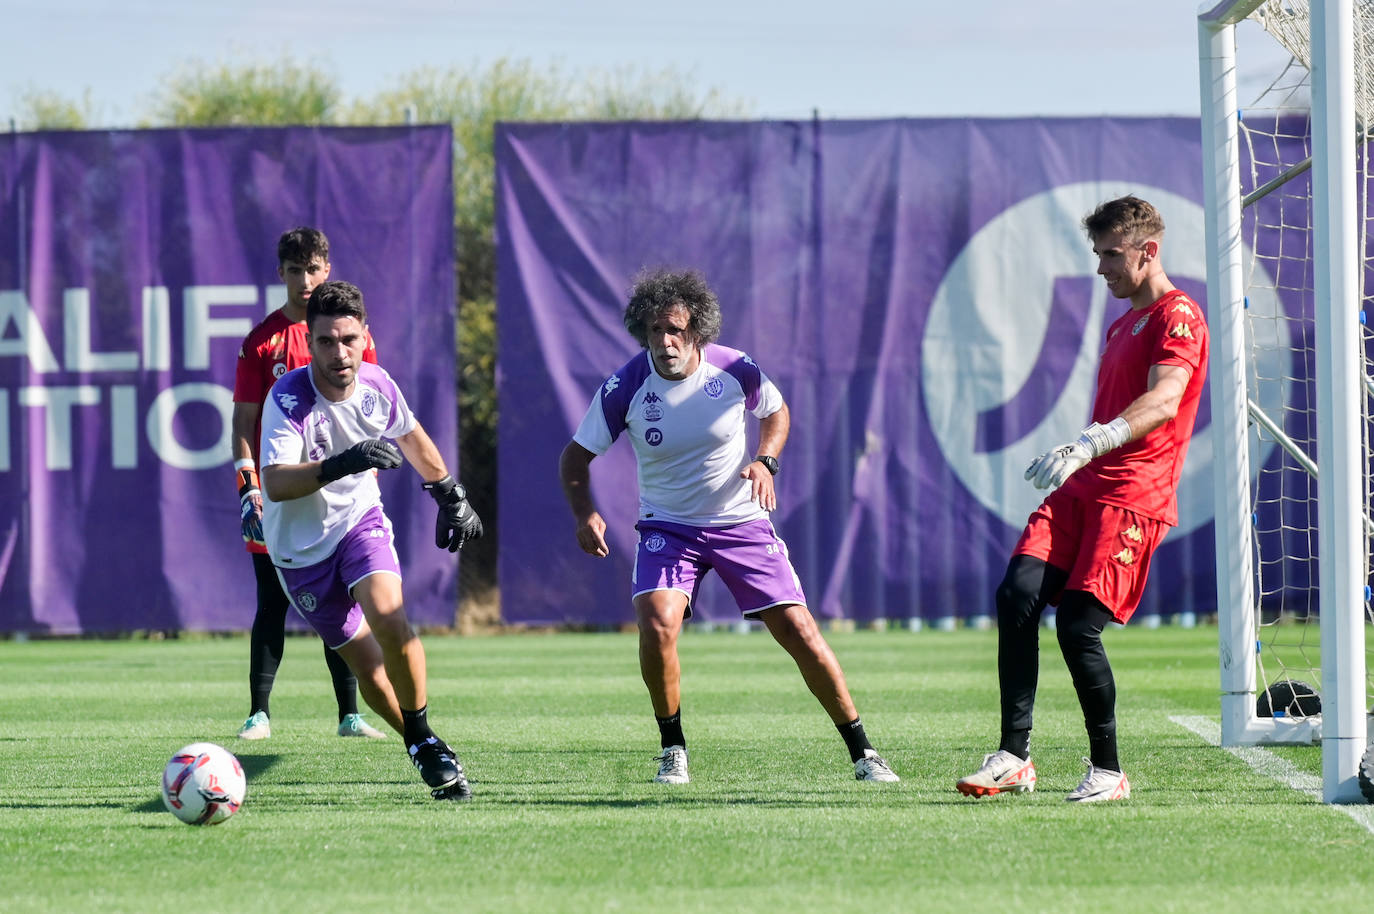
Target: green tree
x: 278, y: 94
x: 42, y: 110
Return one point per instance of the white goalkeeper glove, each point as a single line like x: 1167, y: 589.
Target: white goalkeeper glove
x: 1050, y: 470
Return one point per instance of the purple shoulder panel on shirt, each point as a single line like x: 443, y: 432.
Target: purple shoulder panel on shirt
x: 740, y: 367
x: 619, y: 389
x: 295, y: 395
x: 376, y: 377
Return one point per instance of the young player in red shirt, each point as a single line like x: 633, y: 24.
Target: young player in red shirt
x: 270, y: 350
x: 1087, y: 547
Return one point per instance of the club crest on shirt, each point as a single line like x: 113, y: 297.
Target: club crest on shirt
x: 655, y: 542
x: 306, y: 601
x: 653, y: 407
x: 714, y: 388
x: 369, y: 402
x: 1140, y: 324
x: 653, y: 437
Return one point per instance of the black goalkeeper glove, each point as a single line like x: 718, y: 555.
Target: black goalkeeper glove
x: 365, y: 455
x: 457, y: 522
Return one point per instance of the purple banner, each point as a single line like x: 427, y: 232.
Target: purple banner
x: 920, y: 290
x: 132, y: 263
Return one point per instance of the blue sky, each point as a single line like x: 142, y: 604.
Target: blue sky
x: 859, y: 58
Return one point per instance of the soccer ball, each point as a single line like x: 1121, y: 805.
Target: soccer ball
x: 203, y: 784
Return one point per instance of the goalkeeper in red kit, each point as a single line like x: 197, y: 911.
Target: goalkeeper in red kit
x: 1087, y: 548
x: 270, y: 350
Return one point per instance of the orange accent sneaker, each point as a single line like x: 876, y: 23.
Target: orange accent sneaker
x: 1001, y: 772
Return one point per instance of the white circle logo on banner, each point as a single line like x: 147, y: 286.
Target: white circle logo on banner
x: 1008, y: 324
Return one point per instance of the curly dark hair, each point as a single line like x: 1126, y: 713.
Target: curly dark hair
x: 335, y: 298
x: 655, y: 291
x: 302, y: 245
x: 1135, y: 219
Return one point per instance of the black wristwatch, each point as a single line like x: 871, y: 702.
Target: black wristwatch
x: 769, y: 463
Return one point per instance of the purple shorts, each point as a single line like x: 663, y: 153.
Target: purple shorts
x: 323, y: 593
x: 750, y: 558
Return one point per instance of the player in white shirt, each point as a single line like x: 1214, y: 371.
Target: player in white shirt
x: 704, y: 502
x: 323, y: 427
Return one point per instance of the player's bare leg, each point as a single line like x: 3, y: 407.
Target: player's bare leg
x: 794, y: 627
x: 796, y: 630
x: 380, y: 597
x: 364, y: 657
x: 659, y: 614
x: 403, y: 656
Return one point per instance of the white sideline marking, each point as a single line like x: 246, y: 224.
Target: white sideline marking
x: 1271, y: 766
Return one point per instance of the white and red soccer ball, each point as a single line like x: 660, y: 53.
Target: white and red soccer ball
x: 203, y: 784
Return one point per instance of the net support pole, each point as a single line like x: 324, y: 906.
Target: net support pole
x: 1339, y: 389
x: 1226, y: 315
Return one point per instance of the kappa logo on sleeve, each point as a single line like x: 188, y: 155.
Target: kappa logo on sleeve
x: 288, y: 402
x: 611, y: 384
x: 1181, y: 331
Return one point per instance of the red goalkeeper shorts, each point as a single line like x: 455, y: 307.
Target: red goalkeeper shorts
x: 1105, y: 549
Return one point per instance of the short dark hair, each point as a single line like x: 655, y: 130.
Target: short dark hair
x: 302, y: 245
x: 657, y: 290
x: 335, y: 298
x: 1135, y: 219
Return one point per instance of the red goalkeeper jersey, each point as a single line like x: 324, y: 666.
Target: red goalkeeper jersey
x: 270, y: 350
x: 1143, y: 475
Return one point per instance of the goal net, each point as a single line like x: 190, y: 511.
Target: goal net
x: 1293, y: 382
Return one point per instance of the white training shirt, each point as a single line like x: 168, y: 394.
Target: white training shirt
x: 299, y: 424
x: 688, y: 436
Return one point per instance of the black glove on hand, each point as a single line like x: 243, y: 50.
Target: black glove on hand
x: 457, y: 522
x: 364, y: 455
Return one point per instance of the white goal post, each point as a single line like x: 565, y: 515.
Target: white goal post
x: 1287, y: 210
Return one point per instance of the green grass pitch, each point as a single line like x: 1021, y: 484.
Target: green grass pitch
x: 558, y: 738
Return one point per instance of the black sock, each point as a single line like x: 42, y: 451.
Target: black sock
x: 1102, y: 751
x: 670, y: 730
x: 854, y: 738
x: 345, y: 684
x: 1017, y: 742
x: 416, y: 726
